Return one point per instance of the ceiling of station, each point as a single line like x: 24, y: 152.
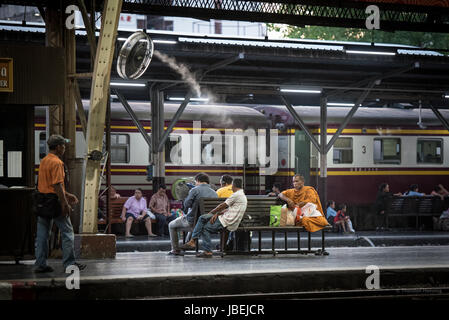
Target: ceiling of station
x: 254, y: 70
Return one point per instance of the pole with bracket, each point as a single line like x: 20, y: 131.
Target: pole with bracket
x: 97, y: 112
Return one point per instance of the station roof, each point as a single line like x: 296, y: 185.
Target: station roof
x: 253, y: 70
x: 411, y: 15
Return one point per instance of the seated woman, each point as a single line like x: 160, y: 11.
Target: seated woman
x: 299, y: 196
x: 135, y: 208
x: 342, y: 220
x: 440, y: 191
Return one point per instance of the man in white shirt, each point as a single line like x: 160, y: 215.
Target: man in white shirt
x: 226, y: 215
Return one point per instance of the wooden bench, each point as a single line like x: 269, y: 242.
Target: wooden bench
x: 116, y: 212
x: 257, y: 219
x: 414, y: 206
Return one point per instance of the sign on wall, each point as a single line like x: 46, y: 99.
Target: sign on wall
x: 6, y: 75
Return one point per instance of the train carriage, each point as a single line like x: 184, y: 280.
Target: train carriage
x: 379, y: 145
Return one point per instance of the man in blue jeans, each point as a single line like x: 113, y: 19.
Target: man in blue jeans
x: 51, y: 186
x: 226, y: 215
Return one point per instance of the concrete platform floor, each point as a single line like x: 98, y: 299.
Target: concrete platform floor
x: 157, y: 275
x: 358, y: 239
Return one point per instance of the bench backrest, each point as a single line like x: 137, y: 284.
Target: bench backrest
x: 416, y: 205
x: 257, y: 210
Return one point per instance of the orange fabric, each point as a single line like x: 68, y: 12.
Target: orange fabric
x: 300, y: 198
x: 51, y: 172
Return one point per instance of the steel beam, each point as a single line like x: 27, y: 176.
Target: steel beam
x: 97, y: 112
x: 365, y: 82
x: 301, y: 123
x: 133, y: 117
x: 174, y: 121
x: 80, y: 108
x: 157, y: 127
x: 89, y: 30
x: 440, y: 117
x: 322, y: 188
x: 349, y: 116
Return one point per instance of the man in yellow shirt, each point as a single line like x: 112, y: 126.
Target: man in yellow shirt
x: 226, y: 187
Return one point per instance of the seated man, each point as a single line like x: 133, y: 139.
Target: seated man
x: 301, y: 195
x: 160, y: 206
x: 226, y: 215
x: 191, y: 207
x: 275, y: 190
x: 226, y: 187
x: 135, y: 208
x: 413, y: 191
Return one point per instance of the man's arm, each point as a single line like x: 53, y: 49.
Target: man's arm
x: 218, y: 210
x: 289, y: 201
x: 188, y: 202
x: 66, y: 209
x: 152, y: 208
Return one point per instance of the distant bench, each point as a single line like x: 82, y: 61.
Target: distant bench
x: 414, y: 206
x: 116, y: 212
x: 257, y: 219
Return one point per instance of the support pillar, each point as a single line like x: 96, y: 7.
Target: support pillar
x: 54, y: 38
x: 157, y: 130
x: 322, y: 187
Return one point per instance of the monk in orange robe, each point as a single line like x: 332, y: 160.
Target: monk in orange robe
x: 299, y: 196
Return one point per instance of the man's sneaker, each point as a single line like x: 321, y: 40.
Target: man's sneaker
x: 43, y: 269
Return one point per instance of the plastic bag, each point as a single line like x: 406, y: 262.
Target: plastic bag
x: 275, y: 216
x: 287, y: 217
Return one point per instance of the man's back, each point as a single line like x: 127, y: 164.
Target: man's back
x: 191, y: 203
x: 51, y: 172
x: 236, y: 209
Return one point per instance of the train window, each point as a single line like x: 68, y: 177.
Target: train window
x: 119, y: 148
x: 342, y: 150
x: 429, y: 151
x: 387, y: 150
x: 42, y: 145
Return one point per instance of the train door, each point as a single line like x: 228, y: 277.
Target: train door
x: 302, y: 155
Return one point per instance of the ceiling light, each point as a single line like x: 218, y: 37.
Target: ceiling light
x: 340, y: 104
x: 127, y: 84
x: 384, y: 53
x: 191, y: 99
x: 299, y: 90
x: 165, y: 41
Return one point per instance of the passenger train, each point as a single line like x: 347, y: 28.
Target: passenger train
x: 379, y: 145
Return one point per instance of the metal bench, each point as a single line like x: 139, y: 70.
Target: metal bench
x: 116, y: 212
x: 414, y: 206
x: 257, y: 219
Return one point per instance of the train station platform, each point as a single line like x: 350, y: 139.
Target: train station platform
x: 358, y: 239
x: 403, y: 271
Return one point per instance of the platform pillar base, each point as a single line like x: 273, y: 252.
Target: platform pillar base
x: 95, y: 246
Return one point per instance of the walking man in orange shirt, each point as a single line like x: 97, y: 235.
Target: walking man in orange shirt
x: 56, y: 202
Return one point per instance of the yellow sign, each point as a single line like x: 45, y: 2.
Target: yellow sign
x: 6, y: 75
